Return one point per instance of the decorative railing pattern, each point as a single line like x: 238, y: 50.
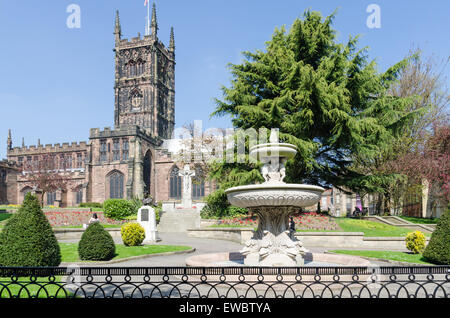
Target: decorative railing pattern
x: 226, y: 282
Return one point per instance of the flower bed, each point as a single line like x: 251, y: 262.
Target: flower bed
x: 76, y: 218
x: 309, y: 221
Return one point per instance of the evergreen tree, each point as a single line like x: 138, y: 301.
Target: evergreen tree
x: 28, y: 239
x: 325, y: 97
x: 438, y: 249
x: 96, y: 244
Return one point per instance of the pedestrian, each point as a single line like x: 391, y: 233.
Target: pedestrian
x: 94, y: 219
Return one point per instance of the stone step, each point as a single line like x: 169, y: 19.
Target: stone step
x: 179, y: 221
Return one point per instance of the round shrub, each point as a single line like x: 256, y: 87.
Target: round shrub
x: 133, y: 234
x: 28, y: 239
x: 96, y: 244
x: 415, y: 242
x: 438, y: 249
x: 118, y: 209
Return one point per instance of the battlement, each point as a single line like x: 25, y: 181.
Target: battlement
x: 48, y: 148
x: 139, y: 41
x: 126, y: 131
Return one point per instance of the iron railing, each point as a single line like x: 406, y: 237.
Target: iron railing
x: 225, y: 282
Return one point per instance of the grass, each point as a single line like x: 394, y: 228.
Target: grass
x: 5, y: 216
x: 69, y: 251
x: 41, y: 288
x: 371, y: 229
x: 80, y: 226
x: 417, y: 220
x: 387, y: 255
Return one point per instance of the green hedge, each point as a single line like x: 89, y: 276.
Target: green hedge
x: 28, y: 239
x: 91, y: 205
x: 118, y: 209
x: 438, y: 249
x: 96, y: 244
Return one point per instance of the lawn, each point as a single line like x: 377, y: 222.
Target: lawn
x: 419, y: 220
x: 388, y: 255
x: 5, y: 216
x: 107, y: 226
x: 314, y: 224
x: 41, y: 288
x: 372, y: 229
x: 69, y: 251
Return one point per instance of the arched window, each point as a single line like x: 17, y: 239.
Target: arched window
x: 175, y: 182
x: 198, y: 184
x: 25, y: 191
x: 51, y: 198
x: 116, y: 185
x: 78, y: 195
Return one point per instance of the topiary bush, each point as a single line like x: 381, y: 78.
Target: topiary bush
x: 133, y: 234
x: 438, y: 249
x: 415, y: 242
x: 118, y: 209
x: 96, y: 244
x: 28, y: 239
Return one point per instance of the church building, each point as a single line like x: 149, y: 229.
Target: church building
x: 127, y: 161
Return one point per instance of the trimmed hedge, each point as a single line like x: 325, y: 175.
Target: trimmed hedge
x: 118, y: 209
x: 133, y: 234
x: 28, y: 239
x: 96, y: 244
x: 91, y: 205
x: 438, y: 249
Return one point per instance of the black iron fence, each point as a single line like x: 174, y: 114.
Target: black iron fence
x: 226, y: 282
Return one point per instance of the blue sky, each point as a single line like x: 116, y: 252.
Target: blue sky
x: 57, y: 82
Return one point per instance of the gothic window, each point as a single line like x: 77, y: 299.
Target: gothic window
x: 79, y: 160
x: 131, y: 68
x: 116, y: 150
x: 116, y: 185
x: 125, y: 149
x: 62, y: 162
x: 69, y: 162
x: 20, y: 160
x: 140, y: 67
x: 198, y: 184
x: 198, y: 189
x: 51, y: 198
x: 79, y: 195
x: 25, y: 191
x: 103, y: 151
x: 175, y: 183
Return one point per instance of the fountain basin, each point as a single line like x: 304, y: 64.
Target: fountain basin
x: 278, y: 150
x: 274, y: 194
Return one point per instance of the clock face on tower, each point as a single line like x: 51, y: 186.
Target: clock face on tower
x: 136, y: 99
x: 136, y: 102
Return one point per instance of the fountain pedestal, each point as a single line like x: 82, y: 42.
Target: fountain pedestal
x: 273, y: 202
x: 273, y: 244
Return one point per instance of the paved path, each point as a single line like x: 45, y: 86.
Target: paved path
x: 201, y: 245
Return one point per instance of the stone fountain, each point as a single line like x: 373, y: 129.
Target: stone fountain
x: 273, y: 202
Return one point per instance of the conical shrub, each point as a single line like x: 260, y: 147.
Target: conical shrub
x: 96, y: 244
x: 28, y: 239
x: 438, y: 249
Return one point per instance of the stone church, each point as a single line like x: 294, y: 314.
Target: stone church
x: 129, y: 160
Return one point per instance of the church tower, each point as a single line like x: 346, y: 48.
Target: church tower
x: 145, y: 81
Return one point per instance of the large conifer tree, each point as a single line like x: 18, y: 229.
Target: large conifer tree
x: 325, y: 97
